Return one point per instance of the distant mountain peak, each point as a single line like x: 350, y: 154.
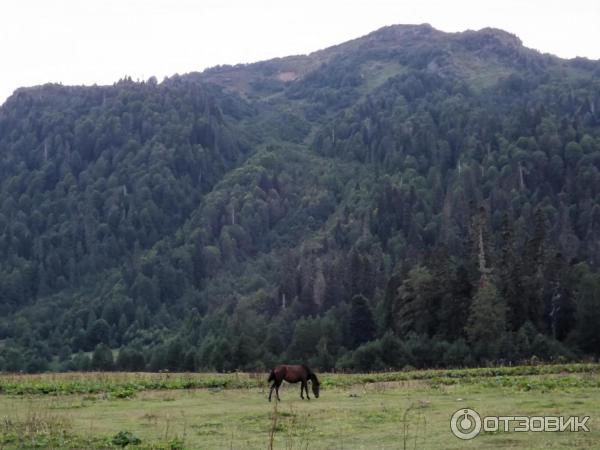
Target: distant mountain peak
x: 402, y: 28
x: 399, y: 33
x: 483, y: 55
x: 494, y: 36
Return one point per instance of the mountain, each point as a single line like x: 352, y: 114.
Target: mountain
x: 410, y: 197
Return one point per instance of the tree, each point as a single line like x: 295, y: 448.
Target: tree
x: 453, y: 311
x: 533, y: 271
x: 189, y: 361
x: 362, y: 323
x: 174, y: 356
x: 487, y: 318
x: 130, y: 360
x: 414, y: 306
x: 98, y: 333
x: 157, y: 359
x: 588, y: 314
x: 81, y: 362
x: 146, y: 292
x: 102, y: 358
x: 385, y: 309
x: 304, y: 341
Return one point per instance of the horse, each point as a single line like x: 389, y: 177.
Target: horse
x: 293, y: 374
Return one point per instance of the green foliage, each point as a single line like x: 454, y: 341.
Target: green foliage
x: 116, y: 385
x: 125, y: 438
x: 487, y: 317
x: 362, y: 324
x: 423, y: 204
x: 102, y: 359
x: 588, y: 307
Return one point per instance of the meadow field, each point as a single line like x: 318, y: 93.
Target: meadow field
x: 392, y: 410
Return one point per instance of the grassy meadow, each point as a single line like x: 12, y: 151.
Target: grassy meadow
x: 395, y: 410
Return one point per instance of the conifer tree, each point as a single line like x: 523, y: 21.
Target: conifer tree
x: 487, y: 318
x: 362, y: 323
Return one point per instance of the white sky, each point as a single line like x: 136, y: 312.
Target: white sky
x: 100, y: 41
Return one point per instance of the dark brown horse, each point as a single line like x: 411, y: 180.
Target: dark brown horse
x: 294, y: 374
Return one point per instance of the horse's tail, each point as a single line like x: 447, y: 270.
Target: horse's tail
x: 271, y: 376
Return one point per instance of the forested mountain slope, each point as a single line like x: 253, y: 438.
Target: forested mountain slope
x: 411, y: 197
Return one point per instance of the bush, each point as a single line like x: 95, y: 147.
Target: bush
x: 392, y: 351
x: 419, y: 351
x: 102, y: 359
x: 367, y: 357
x: 130, y: 360
x: 458, y: 354
x: 124, y: 438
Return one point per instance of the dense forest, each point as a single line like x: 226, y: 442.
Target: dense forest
x: 411, y: 198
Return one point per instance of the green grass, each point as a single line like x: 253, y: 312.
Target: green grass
x: 128, y: 384
x: 393, y: 410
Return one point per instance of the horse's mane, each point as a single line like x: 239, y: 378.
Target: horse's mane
x: 314, y: 378
x: 311, y: 374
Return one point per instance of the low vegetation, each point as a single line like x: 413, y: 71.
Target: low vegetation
x: 124, y: 385
x: 396, y: 410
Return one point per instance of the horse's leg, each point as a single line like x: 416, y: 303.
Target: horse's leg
x: 306, y: 387
x: 277, y: 390
x: 302, y: 389
x: 271, y: 391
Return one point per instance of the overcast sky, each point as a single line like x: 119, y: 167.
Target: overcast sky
x: 100, y: 41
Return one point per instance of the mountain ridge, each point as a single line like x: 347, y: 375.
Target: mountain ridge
x: 408, y: 196
x: 221, y: 74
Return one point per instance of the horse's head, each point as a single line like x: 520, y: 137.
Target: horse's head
x: 315, y: 386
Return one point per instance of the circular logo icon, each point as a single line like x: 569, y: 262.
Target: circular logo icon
x: 465, y: 424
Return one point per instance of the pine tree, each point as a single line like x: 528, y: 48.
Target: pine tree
x: 385, y: 309
x: 588, y: 314
x: 509, y: 274
x: 487, y: 317
x: 362, y: 323
x: 414, y: 303
x: 453, y: 310
x: 533, y: 283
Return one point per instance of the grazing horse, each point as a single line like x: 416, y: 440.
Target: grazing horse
x: 294, y: 374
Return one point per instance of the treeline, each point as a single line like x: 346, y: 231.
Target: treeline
x: 441, y: 313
